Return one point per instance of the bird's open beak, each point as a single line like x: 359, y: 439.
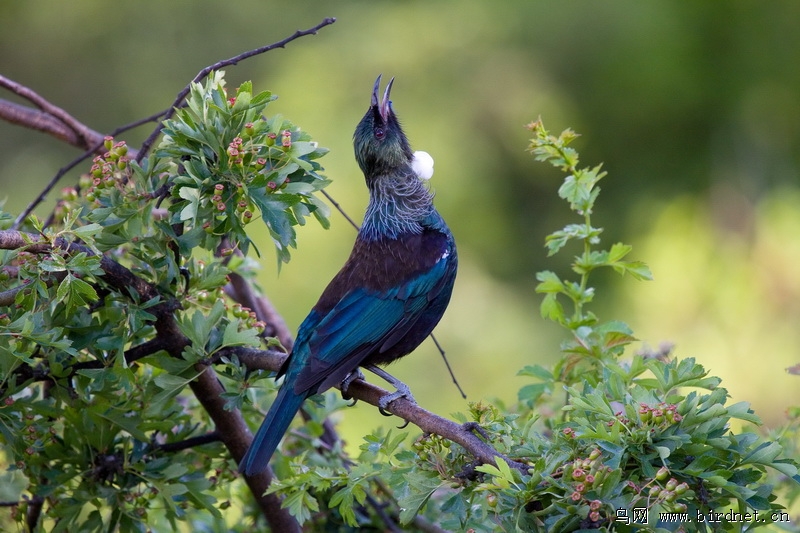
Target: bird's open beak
x: 384, y: 105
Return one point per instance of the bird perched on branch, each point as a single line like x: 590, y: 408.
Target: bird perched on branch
x: 390, y: 293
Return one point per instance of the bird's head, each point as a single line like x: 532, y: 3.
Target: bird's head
x: 381, y: 146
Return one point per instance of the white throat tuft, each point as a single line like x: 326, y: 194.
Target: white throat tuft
x: 422, y: 164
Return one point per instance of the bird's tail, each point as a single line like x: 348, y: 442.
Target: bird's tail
x: 269, y: 435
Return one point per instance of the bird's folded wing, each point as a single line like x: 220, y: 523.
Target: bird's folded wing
x: 362, y: 322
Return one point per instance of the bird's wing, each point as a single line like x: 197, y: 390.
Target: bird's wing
x: 363, y: 321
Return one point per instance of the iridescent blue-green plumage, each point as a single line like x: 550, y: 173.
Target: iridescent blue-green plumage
x: 389, y: 295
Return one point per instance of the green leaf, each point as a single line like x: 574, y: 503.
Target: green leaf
x: 13, y: 483
x: 420, y: 487
x: 300, y: 504
x: 551, y: 309
x: 765, y: 454
x: 234, y: 337
x: 88, y: 231
x: 192, y: 195
x: 618, y: 251
x: 550, y: 282
x: 537, y: 371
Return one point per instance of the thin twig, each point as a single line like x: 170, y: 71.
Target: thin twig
x: 91, y: 140
x: 147, y: 144
x: 447, y: 364
x: 174, y: 342
x: 339, y: 208
x: 34, y: 512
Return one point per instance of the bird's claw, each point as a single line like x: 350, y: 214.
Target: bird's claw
x: 348, y: 379
x: 385, y: 400
x: 402, y: 392
x: 474, y: 427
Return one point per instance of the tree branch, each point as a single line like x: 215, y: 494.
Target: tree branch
x: 51, y: 119
x: 123, y: 280
x: 427, y: 421
x: 172, y: 447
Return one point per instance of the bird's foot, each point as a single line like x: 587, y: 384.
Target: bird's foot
x: 474, y: 427
x: 348, y: 379
x: 402, y: 390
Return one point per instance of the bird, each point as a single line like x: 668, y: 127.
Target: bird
x: 389, y: 295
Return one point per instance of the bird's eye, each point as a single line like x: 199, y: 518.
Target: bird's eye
x: 379, y: 133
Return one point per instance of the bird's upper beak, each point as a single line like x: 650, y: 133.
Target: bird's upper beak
x: 384, y: 106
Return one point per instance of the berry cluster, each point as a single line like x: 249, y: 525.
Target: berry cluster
x: 430, y: 446
x: 662, y: 415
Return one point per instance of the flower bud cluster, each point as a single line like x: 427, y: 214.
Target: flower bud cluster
x: 209, y: 298
x: 286, y: 139
x: 247, y: 157
x: 248, y: 317
x: 662, y: 415
x: 585, y: 474
x: 235, y: 155
x: 107, y: 171
x: 35, y: 434
x: 664, y: 490
x: 220, y: 199
x: 667, y: 491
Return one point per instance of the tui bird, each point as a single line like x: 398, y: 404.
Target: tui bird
x: 387, y: 297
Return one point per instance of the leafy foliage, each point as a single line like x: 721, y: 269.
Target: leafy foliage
x: 87, y: 423
x: 225, y: 160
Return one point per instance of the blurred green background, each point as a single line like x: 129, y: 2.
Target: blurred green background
x: 694, y: 107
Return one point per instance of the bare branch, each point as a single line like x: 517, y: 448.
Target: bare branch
x: 428, y: 422
x: 83, y: 135
x: 43, y: 121
x: 38, y: 120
